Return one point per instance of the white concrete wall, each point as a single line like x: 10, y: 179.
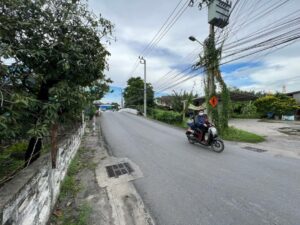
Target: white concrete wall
x: 29, y: 198
x: 129, y: 110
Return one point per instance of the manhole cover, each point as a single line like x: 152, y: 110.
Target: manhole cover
x: 254, y: 149
x: 118, y: 170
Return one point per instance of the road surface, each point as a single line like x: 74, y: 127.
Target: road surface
x: 186, y: 184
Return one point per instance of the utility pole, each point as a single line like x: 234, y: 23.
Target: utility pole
x: 183, y: 111
x: 143, y: 61
x: 218, y: 15
x: 211, y: 87
x: 122, y: 101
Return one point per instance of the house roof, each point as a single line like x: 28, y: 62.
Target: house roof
x: 292, y: 93
x: 233, y: 97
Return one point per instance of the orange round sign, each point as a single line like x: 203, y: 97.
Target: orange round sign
x: 213, y: 101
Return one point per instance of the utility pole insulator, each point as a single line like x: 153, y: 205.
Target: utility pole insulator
x: 218, y: 13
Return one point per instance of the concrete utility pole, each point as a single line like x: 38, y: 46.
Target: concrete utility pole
x: 210, y: 72
x: 183, y: 111
x: 143, y: 61
x: 218, y: 16
x: 122, y: 101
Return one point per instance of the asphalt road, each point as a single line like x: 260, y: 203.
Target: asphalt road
x: 186, y: 184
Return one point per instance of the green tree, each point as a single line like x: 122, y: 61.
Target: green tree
x: 178, y: 98
x: 58, y: 63
x: 265, y: 104
x: 115, y: 105
x: 134, y: 93
x: 279, y: 104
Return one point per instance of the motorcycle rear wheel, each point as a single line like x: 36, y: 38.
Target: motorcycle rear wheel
x: 218, y: 146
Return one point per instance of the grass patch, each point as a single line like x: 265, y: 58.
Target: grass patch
x: 69, y: 185
x: 8, y: 166
x: 234, y: 134
x: 12, y: 159
x: 73, y: 214
x: 84, y: 214
x: 70, y: 218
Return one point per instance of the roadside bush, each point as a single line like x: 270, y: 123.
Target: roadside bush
x: 90, y: 111
x: 167, y: 116
x: 279, y: 104
x: 249, y: 109
x: 244, y: 110
x: 16, y: 150
x: 12, y: 158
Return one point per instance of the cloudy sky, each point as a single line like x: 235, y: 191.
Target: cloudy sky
x: 137, y: 22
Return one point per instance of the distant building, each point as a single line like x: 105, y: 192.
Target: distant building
x: 295, y: 95
x: 164, y: 101
x: 97, y: 103
x: 235, y: 97
x: 105, y: 107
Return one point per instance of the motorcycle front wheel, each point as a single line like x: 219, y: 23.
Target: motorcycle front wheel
x: 190, y: 140
x: 218, y: 146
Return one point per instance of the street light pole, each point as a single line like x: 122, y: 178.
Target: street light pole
x: 143, y: 61
x: 192, y: 38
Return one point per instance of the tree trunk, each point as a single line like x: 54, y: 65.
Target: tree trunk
x: 33, y: 150
x: 54, y: 148
x: 35, y: 143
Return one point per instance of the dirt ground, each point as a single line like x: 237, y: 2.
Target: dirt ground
x: 282, y: 138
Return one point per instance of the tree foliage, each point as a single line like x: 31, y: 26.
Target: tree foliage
x: 234, y: 91
x: 134, y: 93
x: 52, y: 63
x: 177, y: 100
x: 279, y: 104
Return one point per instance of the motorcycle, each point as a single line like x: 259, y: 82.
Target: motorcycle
x: 210, y: 138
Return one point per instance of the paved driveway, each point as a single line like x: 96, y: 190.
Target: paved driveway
x: 278, y: 143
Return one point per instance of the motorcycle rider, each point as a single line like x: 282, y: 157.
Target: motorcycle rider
x: 200, y: 122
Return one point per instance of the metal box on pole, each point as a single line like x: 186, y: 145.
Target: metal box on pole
x: 218, y: 13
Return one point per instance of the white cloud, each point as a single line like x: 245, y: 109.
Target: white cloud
x: 138, y: 21
x: 276, y: 73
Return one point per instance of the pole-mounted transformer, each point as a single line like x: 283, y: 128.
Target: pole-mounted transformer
x: 218, y: 13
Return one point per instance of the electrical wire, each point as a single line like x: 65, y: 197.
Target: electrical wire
x: 266, y: 44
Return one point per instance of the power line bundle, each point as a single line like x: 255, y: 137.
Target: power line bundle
x: 174, y: 16
x: 272, y: 35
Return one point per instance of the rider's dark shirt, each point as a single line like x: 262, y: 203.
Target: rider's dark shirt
x: 201, y: 119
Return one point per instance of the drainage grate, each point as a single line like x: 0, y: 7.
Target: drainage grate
x: 254, y: 149
x: 118, y: 170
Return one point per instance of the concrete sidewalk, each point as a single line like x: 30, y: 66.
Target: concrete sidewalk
x: 277, y: 142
